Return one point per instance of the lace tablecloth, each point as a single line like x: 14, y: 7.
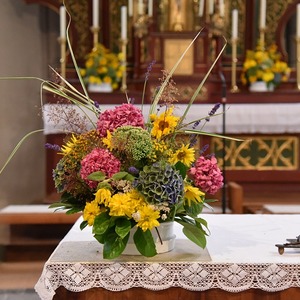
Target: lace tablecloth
x: 240, y: 255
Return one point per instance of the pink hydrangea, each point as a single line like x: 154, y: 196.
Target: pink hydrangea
x: 207, y: 175
x: 99, y: 160
x: 125, y: 114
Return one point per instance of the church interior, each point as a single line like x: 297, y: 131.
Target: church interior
x: 260, y: 168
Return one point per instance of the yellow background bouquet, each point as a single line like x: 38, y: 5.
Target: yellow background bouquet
x: 265, y: 65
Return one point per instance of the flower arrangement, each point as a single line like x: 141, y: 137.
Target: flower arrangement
x: 125, y: 169
x: 103, y: 66
x: 264, y: 65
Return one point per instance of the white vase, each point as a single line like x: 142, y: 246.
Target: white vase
x: 100, y: 88
x: 166, y: 233
x: 261, y: 86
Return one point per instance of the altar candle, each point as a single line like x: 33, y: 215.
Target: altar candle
x: 221, y: 8
x: 201, y: 8
x: 234, y: 24
x: 96, y: 13
x: 123, y: 22
x: 150, y: 8
x: 140, y: 7
x: 62, y: 17
x: 130, y: 8
x: 262, y: 14
x: 211, y: 7
x: 298, y: 21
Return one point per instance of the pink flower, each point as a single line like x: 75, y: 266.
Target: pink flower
x: 125, y: 114
x: 99, y: 160
x: 207, y: 175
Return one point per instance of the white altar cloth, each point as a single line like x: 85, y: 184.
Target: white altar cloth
x: 242, y: 255
x: 245, y: 118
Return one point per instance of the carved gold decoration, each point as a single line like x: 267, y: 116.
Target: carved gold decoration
x: 275, y: 10
x: 173, y: 50
x: 259, y: 153
x: 80, y: 20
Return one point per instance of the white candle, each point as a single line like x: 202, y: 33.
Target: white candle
x: 221, y: 8
x: 150, y: 8
x: 140, y: 7
x: 62, y: 17
x: 123, y: 22
x: 262, y: 14
x: 234, y: 24
x: 96, y: 13
x: 211, y: 7
x: 130, y: 8
x: 201, y: 8
x: 298, y: 21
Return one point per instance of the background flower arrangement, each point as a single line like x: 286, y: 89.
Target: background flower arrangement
x: 103, y: 66
x: 265, y: 65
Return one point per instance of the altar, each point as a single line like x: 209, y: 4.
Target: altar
x: 241, y: 261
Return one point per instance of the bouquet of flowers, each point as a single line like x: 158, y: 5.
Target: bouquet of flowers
x: 125, y: 170
x: 103, y: 66
x: 264, y: 65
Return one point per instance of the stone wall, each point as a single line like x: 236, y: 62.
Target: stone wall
x: 28, y: 45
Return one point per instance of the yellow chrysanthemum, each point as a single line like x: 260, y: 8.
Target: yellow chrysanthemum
x: 268, y: 76
x: 192, y: 193
x: 91, y: 210
x: 164, y: 124
x: 103, y: 196
x: 121, y: 205
x: 185, y: 155
x: 67, y: 148
x: 148, y: 218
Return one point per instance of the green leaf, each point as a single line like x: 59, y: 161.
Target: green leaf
x: 122, y: 175
x: 194, y: 209
x: 144, y: 242
x: 83, y: 224
x: 97, y: 176
x: 123, y: 227
x: 182, y: 168
x: 101, y: 223
x: 114, y: 245
x: 194, y: 233
x: 104, y: 185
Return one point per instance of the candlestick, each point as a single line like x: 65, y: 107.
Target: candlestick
x: 62, y: 16
x: 221, y: 8
x: 123, y: 22
x: 298, y: 62
x: 234, y: 87
x: 130, y: 8
x: 201, y: 8
x: 211, y: 7
x: 150, y: 8
x: 262, y: 14
x: 140, y: 7
x: 234, y: 24
x: 124, y: 63
x: 62, y: 42
x: 95, y: 31
x: 96, y: 13
x: 298, y: 21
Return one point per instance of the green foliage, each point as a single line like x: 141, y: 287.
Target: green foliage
x: 144, y: 242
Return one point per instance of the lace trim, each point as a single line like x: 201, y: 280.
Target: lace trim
x: 158, y: 276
